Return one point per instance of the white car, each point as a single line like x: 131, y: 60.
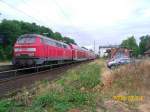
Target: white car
x: 118, y: 61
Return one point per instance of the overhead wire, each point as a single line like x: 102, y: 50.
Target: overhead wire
x: 39, y: 21
x: 65, y: 15
x: 31, y: 17
x: 37, y: 11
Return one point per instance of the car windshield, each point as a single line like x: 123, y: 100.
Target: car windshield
x: 26, y: 39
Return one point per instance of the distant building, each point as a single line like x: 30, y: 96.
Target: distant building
x: 103, y: 50
x: 119, y: 52
x: 147, y: 53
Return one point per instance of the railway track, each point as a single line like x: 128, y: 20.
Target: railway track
x: 12, y: 73
x: 6, y: 67
x: 18, y: 78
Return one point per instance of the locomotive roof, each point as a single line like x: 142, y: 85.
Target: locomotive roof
x: 44, y: 37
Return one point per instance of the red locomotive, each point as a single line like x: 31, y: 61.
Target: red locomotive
x: 33, y: 49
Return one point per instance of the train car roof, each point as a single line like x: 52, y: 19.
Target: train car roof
x: 75, y: 46
x: 79, y: 48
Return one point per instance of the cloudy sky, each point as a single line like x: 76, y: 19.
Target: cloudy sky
x: 103, y: 21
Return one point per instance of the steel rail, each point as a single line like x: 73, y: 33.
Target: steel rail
x: 5, y: 67
x: 15, y: 75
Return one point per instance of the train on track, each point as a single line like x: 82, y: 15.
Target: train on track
x: 34, y: 49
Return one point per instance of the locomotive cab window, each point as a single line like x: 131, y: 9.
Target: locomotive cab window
x: 26, y: 39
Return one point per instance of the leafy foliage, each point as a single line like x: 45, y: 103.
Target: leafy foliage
x: 144, y: 44
x: 12, y: 29
x: 130, y: 43
x: 68, y: 40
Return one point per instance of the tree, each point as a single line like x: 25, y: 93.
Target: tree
x: 11, y: 30
x: 57, y: 36
x: 130, y: 43
x: 45, y: 31
x: 144, y: 44
x: 68, y: 40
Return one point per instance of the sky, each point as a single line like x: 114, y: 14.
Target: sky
x: 103, y: 21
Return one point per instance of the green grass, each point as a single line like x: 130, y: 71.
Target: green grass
x: 87, y: 76
x: 71, y: 91
x: 10, y: 106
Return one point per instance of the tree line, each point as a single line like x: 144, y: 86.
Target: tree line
x: 138, y: 49
x: 10, y: 30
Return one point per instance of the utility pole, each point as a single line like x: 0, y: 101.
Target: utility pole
x: 94, y: 46
x: 99, y: 51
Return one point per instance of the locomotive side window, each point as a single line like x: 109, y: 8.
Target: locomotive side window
x: 58, y: 44
x: 49, y: 42
x: 45, y: 41
x: 52, y: 42
x: 65, y: 46
x: 42, y: 40
x: 26, y: 39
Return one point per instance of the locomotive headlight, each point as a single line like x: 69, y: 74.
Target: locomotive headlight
x: 25, y: 49
x: 17, y: 49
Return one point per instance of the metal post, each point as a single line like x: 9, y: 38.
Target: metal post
x: 94, y: 46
